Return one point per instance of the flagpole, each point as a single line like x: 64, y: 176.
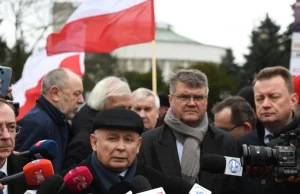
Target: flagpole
x: 154, y: 80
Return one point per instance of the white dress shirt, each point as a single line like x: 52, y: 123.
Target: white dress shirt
x: 179, y: 150
x: 266, y: 139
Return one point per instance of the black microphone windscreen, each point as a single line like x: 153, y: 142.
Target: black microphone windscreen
x: 140, y: 184
x: 51, y: 185
x: 120, y: 188
x: 177, y: 185
x: 213, y: 163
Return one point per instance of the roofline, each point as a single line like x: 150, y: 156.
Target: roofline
x: 194, y: 42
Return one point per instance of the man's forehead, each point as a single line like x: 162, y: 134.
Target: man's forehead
x: 149, y: 101
x: 269, y: 86
x: 7, y: 112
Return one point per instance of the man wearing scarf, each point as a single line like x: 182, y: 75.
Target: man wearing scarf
x: 115, y: 142
x: 175, y: 149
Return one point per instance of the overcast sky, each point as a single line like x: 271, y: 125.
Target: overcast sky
x: 225, y: 23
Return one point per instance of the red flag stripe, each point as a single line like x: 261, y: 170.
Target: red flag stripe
x: 104, y: 33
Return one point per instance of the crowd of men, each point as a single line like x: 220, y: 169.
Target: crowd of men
x: 119, y: 134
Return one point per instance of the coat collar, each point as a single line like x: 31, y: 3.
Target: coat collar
x: 57, y: 116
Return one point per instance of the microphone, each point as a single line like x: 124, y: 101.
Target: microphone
x: 217, y: 164
x: 140, y: 185
x: 44, y: 149
x: 34, y: 173
x: 51, y: 185
x: 76, y: 180
x: 177, y: 185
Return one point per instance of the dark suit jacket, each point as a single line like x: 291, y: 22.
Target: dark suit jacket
x: 79, y: 147
x: 159, y: 151
x: 15, y: 165
x: 155, y: 178
x: 44, y: 121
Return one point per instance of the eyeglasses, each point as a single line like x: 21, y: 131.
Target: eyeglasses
x: 13, y: 129
x: 186, y: 98
x: 232, y: 128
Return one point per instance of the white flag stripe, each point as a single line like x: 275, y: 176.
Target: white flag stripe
x: 101, y: 7
x: 35, y: 68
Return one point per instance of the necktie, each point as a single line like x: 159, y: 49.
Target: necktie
x: 121, y: 178
x: 270, y: 137
x: 2, y: 175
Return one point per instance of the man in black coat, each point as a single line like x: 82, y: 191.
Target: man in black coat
x: 10, y: 163
x: 107, y: 93
x: 115, y: 142
x: 176, y: 148
x: 275, y: 101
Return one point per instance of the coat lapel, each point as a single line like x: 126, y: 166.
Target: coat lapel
x: 15, y: 165
x: 167, y: 154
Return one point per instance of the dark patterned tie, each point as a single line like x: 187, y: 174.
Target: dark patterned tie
x: 270, y: 137
x: 2, y: 175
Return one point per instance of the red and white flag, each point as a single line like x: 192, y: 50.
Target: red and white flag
x: 28, y: 89
x: 100, y: 26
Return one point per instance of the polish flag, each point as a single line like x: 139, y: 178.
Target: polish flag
x: 101, y: 26
x: 28, y: 89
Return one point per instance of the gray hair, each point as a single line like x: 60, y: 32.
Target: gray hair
x: 190, y: 77
x: 57, y: 77
x: 109, y: 86
x: 142, y: 93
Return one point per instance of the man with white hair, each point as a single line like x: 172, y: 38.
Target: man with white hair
x: 107, y: 93
x: 146, y: 104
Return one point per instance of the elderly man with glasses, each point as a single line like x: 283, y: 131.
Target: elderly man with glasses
x: 235, y: 115
x: 9, y: 162
x: 176, y: 148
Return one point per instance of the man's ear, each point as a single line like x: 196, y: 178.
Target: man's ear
x: 54, y: 93
x: 170, y: 99
x: 247, y: 127
x: 294, y: 101
x: 139, y: 144
x: 93, y: 141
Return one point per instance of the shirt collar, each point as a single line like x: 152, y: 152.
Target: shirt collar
x: 123, y: 173
x: 4, y: 167
x: 267, y: 132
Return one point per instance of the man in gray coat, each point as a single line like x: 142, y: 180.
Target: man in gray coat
x: 176, y: 148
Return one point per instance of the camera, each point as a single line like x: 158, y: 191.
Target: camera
x: 284, y: 156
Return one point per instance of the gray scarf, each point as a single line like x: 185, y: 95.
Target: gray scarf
x: 191, y: 138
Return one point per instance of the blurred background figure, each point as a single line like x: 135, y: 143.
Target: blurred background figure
x: 163, y: 109
x: 146, y: 104
x: 234, y: 115
x: 296, y: 83
x: 248, y: 94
